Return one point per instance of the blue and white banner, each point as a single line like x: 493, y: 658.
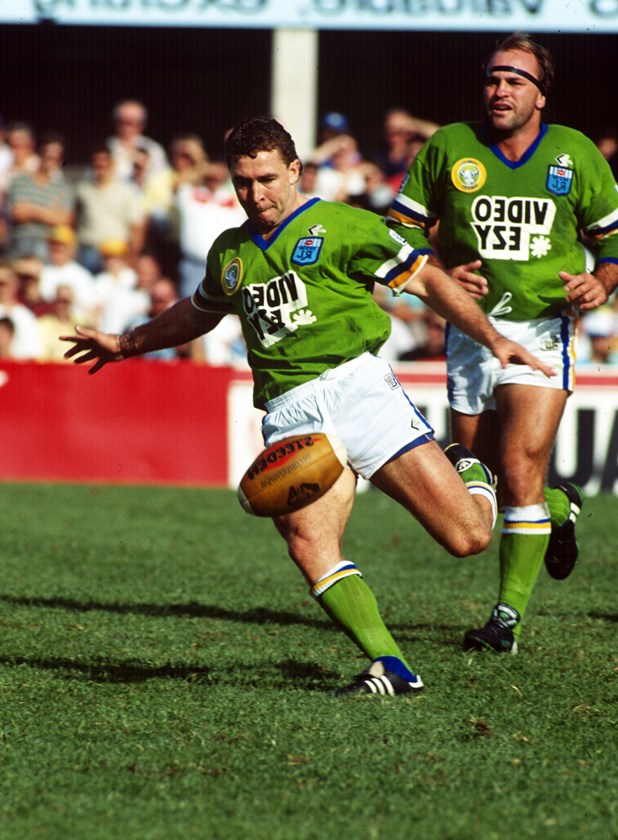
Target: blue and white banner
x: 556, y: 16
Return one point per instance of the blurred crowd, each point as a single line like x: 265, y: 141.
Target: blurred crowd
x: 121, y: 239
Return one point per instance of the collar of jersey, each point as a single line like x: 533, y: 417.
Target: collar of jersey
x: 515, y: 164
x: 264, y: 244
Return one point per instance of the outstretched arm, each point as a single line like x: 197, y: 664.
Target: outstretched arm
x: 449, y: 299
x: 179, y: 324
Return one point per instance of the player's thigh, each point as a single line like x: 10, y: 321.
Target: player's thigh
x: 314, y: 534
x: 529, y: 420
x: 424, y: 481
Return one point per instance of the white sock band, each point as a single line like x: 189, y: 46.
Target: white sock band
x: 528, y: 519
x: 479, y: 488
x: 333, y: 576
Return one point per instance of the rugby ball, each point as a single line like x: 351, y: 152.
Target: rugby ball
x: 292, y: 473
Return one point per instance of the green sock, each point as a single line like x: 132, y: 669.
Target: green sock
x: 353, y: 606
x: 558, y: 504
x: 525, y: 537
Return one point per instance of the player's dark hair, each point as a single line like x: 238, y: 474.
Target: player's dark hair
x: 259, y: 134
x: 523, y: 41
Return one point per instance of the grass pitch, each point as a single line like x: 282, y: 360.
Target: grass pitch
x: 164, y: 675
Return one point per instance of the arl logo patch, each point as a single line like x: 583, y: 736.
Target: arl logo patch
x: 307, y: 250
x: 559, y: 180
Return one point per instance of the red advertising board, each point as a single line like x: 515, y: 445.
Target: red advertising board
x: 137, y: 422
x: 150, y: 422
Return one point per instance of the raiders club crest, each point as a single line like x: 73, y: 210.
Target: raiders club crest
x: 231, y: 276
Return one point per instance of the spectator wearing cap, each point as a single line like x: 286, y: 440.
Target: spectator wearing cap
x: 129, y: 141
x: 60, y: 320
x: 334, y: 136
x: 332, y: 124
x: 337, y: 159
x: 114, y: 286
x: 38, y: 201
x: 403, y: 136
x: 108, y: 210
x: 62, y: 269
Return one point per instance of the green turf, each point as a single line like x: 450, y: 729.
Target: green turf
x: 164, y: 675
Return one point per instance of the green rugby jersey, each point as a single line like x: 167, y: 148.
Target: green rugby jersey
x: 521, y: 219
x: 304, y: 296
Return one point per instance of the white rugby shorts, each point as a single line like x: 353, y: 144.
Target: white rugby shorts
x: 361, y: 402
x: 473, y: 372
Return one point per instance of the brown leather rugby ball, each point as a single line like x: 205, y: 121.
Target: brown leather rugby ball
x: 291, y: 474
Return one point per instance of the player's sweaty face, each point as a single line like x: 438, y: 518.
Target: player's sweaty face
x: 266, y: 188
x: 512, y: 101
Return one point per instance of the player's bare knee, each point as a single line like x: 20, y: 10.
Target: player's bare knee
x: 471, y: 539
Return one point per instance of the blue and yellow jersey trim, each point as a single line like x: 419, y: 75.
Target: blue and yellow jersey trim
x: 607, y: 226
x: 397, y: 272
x: 405, y: 211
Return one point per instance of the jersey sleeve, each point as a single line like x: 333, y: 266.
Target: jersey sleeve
x: 209, y: 295
x: 416, y: 206
x: 382, y: 255
x: 599, y: 206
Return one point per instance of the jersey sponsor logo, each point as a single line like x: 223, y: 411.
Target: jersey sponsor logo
x: 231, y: 276
x: 278, y: 308
x: 307, y: 250
x: 515, y: 228
x: 468, y: 175
x: 559, y: 180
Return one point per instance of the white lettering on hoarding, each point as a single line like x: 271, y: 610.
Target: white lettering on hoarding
x: 466, y: 15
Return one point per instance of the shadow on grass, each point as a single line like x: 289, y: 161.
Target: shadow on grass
x: 613, y: 617
x: 302, y: 675
x: 258, y: 615
x: 110, y: 672
x: 441, y: 634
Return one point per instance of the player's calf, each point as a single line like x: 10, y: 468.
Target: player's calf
x: 479, y: 481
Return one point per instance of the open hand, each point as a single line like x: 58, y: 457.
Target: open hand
x: 93, y: 346
x: 510, y: 353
